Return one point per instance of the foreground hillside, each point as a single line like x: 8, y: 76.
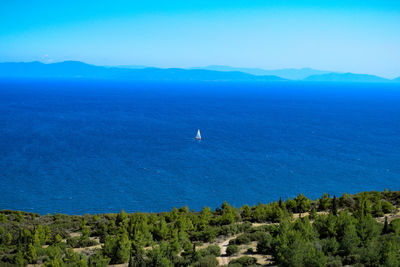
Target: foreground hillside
x: 360, y: 230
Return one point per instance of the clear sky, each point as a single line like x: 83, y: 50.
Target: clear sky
x: 342, y: 35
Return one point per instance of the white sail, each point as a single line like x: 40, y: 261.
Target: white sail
x: 198, y: 135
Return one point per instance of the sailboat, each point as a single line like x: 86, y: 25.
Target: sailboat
x: 198, y: 135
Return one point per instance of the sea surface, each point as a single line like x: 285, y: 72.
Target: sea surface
x: 82, y: 146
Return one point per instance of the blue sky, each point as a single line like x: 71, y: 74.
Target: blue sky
x: 342, y: 35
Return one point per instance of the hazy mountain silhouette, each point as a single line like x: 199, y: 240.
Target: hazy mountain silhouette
x: 290, y: 74
x: 345, y: 77
x: 131, y: 66
x: 76, y: 69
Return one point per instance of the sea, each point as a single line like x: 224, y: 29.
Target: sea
x: 91, y: 146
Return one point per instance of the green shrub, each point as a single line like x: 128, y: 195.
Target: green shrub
x: 395, y: 226
x: 214, y: 250
x: 210, y: 250
x: 231, y: 250
x: 98, y: 260
x: 207, y: 261
x: 240, y: 240
x: 264, y: 245
x: 244, y: 261
x: 387, y: 207
x: 258, y: 235
x: 334, y: 262
x: 3, y: 218
x: 79, y: 242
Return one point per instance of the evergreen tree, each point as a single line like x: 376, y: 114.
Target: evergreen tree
x: 245, y: 212
x: 313, y: 214
x: 363, y: 205
x: 57, y: 239
x: 280, y: 203
x: 19, y: 259
x: 109, y: 247
x: 123, y: 248
x: 31, y: 255
x: 228, y: 215
x: 334, y: 205
x: 350, y: 240
x: 291, y: 205
x: 122, y: 219
x: 302, y: 203
x: 386, y: 206
x: 47, y: 234
x: 161, y: 232
x: 324, y: 202
x: 98, y: 260
x: 385, y: 226
x: 39, y: 236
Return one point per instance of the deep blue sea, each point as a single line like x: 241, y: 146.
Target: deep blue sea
x: 99, y: 146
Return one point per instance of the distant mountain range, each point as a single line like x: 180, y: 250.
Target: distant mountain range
x: 290, y: 74
x: 345, y: 77
x: 76, y: 69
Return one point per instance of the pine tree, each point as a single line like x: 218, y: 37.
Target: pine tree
x: 47, y: 234
x: 122, y: 219
x: 385, y: 226
x: 123, y: 248
x: 19, y: 259
x: 31, y: 255
x: 334, y: 206
x: 131, y: 262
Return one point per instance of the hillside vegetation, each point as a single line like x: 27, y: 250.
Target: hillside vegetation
x: 359, y: 230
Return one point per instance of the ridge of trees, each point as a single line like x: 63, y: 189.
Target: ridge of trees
x: 331, y: 231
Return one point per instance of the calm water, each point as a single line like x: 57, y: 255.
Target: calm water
x: 88, y: 147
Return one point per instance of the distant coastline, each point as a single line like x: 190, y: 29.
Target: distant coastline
x: 76, y: 69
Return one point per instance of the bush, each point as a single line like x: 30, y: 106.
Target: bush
x: 98, y: 260
x: 3, y: 218
x: 210, y: 250
x: 207, y: 261
x: 313, y: 214
x: 329, y: 246
x: 242, y: 239
x: 324, y: 202
x: 214, y: 250
x: 78, y: 242
x: 244, y: 261
x: 207, y: 235
x: 244, y: 227
x: 231, y: 229
x: 395, y: 226
x: 264, y: 245
x: 258, y: 235
x: 231, y: 250
x: 387, y: 207
x: 348, y: 201
x: 334, y: 262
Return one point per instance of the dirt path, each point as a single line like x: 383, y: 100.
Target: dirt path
x: 224, y: 259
